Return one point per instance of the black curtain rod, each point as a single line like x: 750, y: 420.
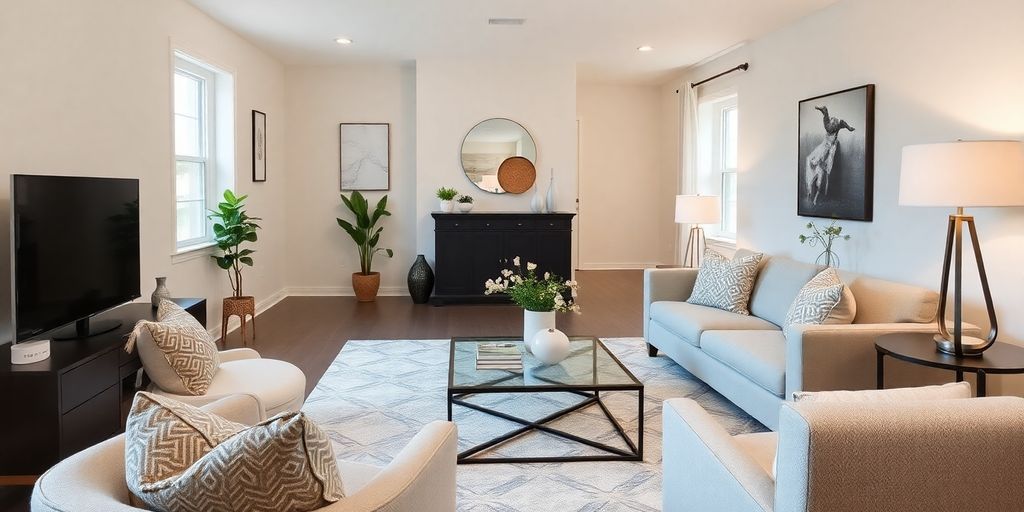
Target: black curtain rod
x: 741, y: 67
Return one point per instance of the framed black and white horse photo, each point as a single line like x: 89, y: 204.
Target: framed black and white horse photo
x: 835, y: 171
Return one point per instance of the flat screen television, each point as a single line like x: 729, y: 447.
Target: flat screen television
x: 75, y: 252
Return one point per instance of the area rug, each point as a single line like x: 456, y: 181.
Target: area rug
x: 377, y: 394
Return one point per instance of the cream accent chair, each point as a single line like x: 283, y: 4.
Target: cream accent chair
x: 936, y: 456
x: 420, y: 478
x: 277, y: 386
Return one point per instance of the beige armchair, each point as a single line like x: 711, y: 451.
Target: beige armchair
x: 420, y: 478
x: 277, y: 386
x: 936, y: 456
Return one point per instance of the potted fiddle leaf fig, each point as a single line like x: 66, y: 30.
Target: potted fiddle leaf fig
x: 233, y: 228
x: 366, y: 235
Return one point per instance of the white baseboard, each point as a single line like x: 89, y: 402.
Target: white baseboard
x: 617, y: 266
x: 341, y: 291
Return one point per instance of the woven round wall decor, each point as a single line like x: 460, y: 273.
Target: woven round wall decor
x: 516, y: 174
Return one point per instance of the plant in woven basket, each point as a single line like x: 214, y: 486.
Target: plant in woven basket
x: 232, y: 228
x: 824, y: 238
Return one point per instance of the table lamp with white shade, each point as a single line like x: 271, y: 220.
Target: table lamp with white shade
x: 959, y: 175
x: 696, y: 210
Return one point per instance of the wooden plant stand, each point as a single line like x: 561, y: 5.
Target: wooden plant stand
x: 240, y: 307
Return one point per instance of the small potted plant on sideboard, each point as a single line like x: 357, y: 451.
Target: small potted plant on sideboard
x: 465, y: 204
x: 446, y: 195
x: 366, y: 235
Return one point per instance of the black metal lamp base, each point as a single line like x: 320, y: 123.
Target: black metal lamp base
x: 970, y: 346
x: 955, y: 343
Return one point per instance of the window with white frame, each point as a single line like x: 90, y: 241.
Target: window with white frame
x: 201, y: 99
x: 717, y: 148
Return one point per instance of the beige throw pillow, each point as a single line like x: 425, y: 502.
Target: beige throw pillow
x: 177, y: 352
x: 725, y: 284
x: 823, y: 300
x: 181, y: 458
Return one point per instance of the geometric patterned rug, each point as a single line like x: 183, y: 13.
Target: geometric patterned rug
x: 377, y: 394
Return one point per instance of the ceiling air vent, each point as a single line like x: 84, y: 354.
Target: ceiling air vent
x: 506, y: 21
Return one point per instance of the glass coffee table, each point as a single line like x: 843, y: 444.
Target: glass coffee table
x: 589, y: 370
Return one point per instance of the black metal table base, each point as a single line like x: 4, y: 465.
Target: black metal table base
x: 634, y: 452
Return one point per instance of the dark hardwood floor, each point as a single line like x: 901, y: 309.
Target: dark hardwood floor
x: 310, y: 331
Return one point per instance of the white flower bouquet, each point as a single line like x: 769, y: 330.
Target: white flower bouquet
x: 532, y: 292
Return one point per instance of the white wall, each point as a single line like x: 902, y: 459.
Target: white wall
x: 454, y: 95
x: 943, y: 72
x: 620, y: 169
x: 322, y: 256
x: 86, y: 91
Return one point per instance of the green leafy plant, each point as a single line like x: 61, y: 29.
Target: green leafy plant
x: 365, y: 232
x: 446, y: 194
x: 824, y: 238
x: 466, y: 199
x: 532, y: 292
x: 233, y: 227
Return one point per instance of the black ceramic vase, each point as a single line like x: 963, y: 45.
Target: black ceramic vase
x: 421, y: 280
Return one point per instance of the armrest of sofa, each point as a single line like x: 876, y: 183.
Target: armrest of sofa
x: 834, y: 357
x: 704, y: 469
x: 237, y: 354
x: 666, y: 284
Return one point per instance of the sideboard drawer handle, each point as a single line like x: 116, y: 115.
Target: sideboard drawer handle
x: 488, y: 224
x: 456, y: 224
x: 520, y: 224
x: 552, y: 224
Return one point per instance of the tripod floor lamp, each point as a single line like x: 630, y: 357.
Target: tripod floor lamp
x: 959, y: 175
x: 696, y: 210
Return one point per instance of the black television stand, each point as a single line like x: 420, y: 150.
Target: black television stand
x: 87, y: 328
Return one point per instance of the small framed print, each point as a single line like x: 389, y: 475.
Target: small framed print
x: 365, y: 156
x: 259, y: 146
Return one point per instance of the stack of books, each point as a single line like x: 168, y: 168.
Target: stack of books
x: 499, y: 356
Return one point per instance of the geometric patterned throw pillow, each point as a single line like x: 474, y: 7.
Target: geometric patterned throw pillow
x: 823, y: 300
x: 177, y: 351
x: 725, y: 284
x: 207, y: 463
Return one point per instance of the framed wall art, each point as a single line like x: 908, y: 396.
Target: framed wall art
x: 835, y: 171
x: 259, y: 146
x: 365, y: 156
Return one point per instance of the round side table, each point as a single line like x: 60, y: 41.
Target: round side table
x: 919, y: 348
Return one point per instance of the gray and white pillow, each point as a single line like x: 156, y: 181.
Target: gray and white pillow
x: 181, y: 458
x: 176, y: 351
x: 725, y: 284
x: 825, y: 299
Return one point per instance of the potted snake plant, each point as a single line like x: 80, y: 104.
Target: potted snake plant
x: 366, y: 235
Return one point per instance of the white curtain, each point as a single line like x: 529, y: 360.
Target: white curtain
x: 687, y: 180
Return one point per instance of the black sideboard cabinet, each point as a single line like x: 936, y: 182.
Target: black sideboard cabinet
x: 470, y: 248
x: 72, y: 400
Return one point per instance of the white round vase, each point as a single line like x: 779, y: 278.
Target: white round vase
x: 465, y: 207
x: 447, y: 206
x: 550, y: 346
x: 534, y: 322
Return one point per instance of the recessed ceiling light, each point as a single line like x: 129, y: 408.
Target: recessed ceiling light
x: 343, y: 40
x: 644, y: 48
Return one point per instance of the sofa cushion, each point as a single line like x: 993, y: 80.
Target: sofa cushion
x: 880, y: 301
x: 688, y: 321
x: 777, y: 284
x: 725, y: 284
x: 823, y: 300
x: 757, y: 355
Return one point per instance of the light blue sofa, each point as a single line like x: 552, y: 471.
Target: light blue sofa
x: 755, y: 364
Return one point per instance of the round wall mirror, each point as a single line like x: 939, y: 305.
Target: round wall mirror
x: 491, y: 143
